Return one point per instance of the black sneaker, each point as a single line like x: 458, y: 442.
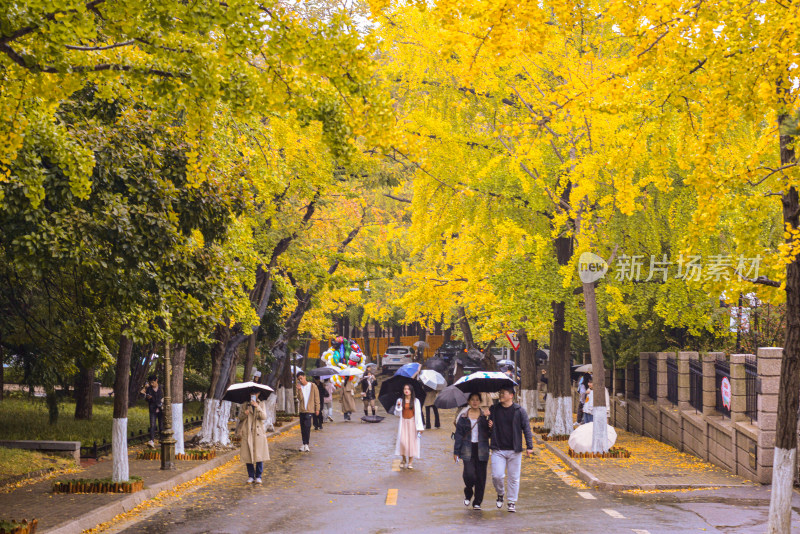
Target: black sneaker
x: 476, y: 506
x: 499, y: 501
x: 512, y: 507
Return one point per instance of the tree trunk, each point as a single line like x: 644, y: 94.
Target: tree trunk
x: 528, y: 382
x: 2, y: 371
x: 599, y: 407
x: 178, y: 366
x: 139, y: 371
x: 448, y: 333
x: 119, y: 429
x: 780, y: 506
x: 366, y: 348
x: 396, y: 332
x: 250, y: 357
x: 559, y: 383
x: 84, y: 393
x: 52, y: 403
x: 489, y: 361
x: 466, y: 331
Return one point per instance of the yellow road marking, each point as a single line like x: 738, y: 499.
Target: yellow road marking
x: 391, y: 497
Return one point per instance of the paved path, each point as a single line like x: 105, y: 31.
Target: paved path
x: 350, y: 482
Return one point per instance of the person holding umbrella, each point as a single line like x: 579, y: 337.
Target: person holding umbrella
x: 507, y: 422
x: 410, y: 428
x: 472, y: 447
x: 330, y: 387
x: 253, y: 439
x: 368, y: 391
x: 348, y: 398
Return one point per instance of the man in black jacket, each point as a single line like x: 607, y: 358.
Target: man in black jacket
x: 155, y: 400
x: 507, y: 422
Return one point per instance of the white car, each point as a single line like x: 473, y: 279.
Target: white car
x: 395, y: 357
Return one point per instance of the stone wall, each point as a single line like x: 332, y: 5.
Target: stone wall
x: 735, y: 443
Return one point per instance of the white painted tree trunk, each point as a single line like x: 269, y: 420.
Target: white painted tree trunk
x: 780, y: 504
x: 119, y: 450
x: 538, y: 400
x: 280, y: 400
x: 528, y: 398
x: 562, y: 424
x: 215, y: 423
x: 549, y: 411
x: 177, y: 427
x: 288, y: 401
x: 270, y: 408
x: 600, y: 429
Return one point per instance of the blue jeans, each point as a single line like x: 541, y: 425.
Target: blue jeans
x: 255, y: 472
x: 587, y: 418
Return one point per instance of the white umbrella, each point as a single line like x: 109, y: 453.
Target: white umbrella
x: 581, y: 438
x: 432, y: 379
x: 351, y: 371
x: 506, y: 362
x: 421, y: 345
x: 586, y: 368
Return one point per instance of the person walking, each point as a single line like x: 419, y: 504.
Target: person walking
x: 588, y: 405
x: 508, y: 421
x: 410, y: 427
x: 472, y: 447
x: 253, y: 438
x: 330, y: 387
x: 308, y: 400
x: 319, y: 418
x: 430, y: 398
x: 155, y: 404
x: 368, y: 391
x: 582, y: 390
x: 348, y: 397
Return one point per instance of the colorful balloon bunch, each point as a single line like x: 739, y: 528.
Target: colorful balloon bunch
x: 343, y: 353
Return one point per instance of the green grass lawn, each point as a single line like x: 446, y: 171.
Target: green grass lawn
x: 17, y: 462
x: 27, y: 419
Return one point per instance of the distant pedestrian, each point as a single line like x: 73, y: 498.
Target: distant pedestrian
x: 348, y: 398
x: 327, y: 401
x: 588, y: 405
x: 308, y: 399
x: 155, y: 403
x: 472, y: 447
x: 319, y: 418
x: 582, y: 390
x: 410, y: 427
x: 508, y: 421
x: 430, y: 398
x: 368, y: 391
x: 253, y: 439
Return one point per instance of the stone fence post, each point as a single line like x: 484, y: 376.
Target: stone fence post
x: 644, y: 374
x: 661, y: 374
x: 769, y: 371
x: 709, y: 383
x: 738, y: 388
x: 684, y: 380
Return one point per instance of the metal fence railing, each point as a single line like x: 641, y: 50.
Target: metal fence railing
x: 97, y: 450
x: 751, y: 387
x: 696, y: 384
x: 652, y: 375
x: 722, y: 376
x: 672, y: 380
x: 635, y: 382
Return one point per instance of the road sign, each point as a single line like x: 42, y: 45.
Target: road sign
x: 513, y: 339
x: 725, y: 390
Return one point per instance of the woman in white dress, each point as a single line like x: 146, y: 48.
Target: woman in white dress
x: 410, y: 427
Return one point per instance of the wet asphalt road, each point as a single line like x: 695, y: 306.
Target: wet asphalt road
x: 343, y: 484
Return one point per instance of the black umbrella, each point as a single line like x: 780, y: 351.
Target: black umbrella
x: 392, y: 389
x: 372, y: 418
x: 484, y: 382
x: 240, y: 393
x: 450, y: 397
x: 324, y: 371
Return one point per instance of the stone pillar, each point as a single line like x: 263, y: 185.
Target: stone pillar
x: 629, y: 387
x: 709, y: 384
x: 684, y: 382
x: 661, y: 389
x: 769, y: 370
x: 738, y: 389
x: 644, y: 375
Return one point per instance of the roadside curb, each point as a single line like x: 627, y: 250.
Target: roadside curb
x: 108, y: 512
x: 592, y: 480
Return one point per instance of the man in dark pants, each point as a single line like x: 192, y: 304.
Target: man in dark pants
x: 155, y: 399
x: 318, y: 419
x: 508, y: 421
x: 308, y: 400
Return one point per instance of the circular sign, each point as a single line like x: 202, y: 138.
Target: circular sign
x: 725, y: 390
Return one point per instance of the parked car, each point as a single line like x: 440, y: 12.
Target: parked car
x: 450, y: 349
x: 395, y: 357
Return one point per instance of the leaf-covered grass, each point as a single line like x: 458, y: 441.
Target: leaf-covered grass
x: 15, y: 462
x: 27, y: 419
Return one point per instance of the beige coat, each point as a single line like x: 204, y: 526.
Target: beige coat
x: 348, y: 400
x: 250, y: 430
x: 430, y: 398
x: 313, y: 400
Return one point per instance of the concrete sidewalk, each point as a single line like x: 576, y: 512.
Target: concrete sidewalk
x: 74, y: 513
x: 652, y: 466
